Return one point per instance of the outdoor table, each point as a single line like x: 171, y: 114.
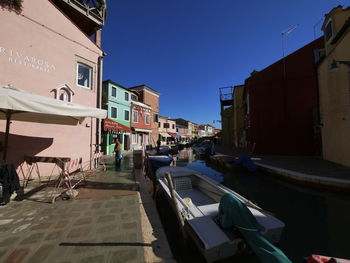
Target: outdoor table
x: 32, y: 162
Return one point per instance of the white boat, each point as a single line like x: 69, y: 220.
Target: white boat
x: 198, y: 198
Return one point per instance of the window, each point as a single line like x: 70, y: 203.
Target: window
x: 84, y: 76
x: 173, y: 126
x: 134, y: 97
x: 165, y: 125
x: 328, y: 31
x: 114, y: 112
x: 63, y: 93
x: 126, y: 115
x: 64, y: 96
x: 114, y: 92
x: 135, y: 116
x: 147, y: 121
x: 126, y: 96
x: 155, y: 117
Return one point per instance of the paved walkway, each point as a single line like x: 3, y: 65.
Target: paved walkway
x: 110, y: 221
x: 303, y: 169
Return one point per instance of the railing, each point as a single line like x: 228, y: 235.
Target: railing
x: 94, y: 8
x: 226, y: 93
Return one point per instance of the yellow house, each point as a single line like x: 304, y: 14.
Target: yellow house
x: 227, y: 122
x: 232, y: 117
x: 239, y: 113
x: 334, y: 87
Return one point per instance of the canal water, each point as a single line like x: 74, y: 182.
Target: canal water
x: 317, y: 221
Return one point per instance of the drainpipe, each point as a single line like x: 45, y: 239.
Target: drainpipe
x: 99, y: 98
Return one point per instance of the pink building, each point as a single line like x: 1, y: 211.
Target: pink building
x: 42, y: 51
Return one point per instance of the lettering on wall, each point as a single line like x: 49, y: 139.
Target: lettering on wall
x: 28, y: 61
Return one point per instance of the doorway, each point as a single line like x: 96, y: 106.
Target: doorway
x: 126, y: 142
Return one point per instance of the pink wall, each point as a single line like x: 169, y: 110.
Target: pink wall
x: 53, y: 49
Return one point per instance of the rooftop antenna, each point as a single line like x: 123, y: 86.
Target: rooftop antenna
x: 316, y: 25
x: 285, y: 33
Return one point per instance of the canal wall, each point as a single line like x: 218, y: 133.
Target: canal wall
x: 302, y: 170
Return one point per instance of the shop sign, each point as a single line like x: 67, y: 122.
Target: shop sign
x: 26, y: 60
x: 110, y: 125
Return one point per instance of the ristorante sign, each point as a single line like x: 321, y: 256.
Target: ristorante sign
x: 111, y: 125
x: 26, y: 60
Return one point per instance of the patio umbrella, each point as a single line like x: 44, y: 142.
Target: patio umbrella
x: 20, y: 105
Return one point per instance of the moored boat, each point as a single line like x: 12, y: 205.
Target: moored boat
x: 203, y: 149
x: 220, y: 221
x: 324, y: 259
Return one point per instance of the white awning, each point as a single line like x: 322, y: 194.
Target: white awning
x: 20, y: 105
x: 142, y: 130
x: 26, y: 106
x: 164, y: 134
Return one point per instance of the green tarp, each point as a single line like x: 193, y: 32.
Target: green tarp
x: 235, y: 214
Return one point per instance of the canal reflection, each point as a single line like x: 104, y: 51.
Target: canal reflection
x: 317, y: 221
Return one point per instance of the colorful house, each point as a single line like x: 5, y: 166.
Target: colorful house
x: 181, y: 131
x: 117, y: 101
x: 167, y: 130
x: 334, y: 87
x: 281, y: 103
x: 150, y: 97
x: 141, y: 123
x: 232, y: 117
x: 48, y: 53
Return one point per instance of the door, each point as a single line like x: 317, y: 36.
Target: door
x: 141, y: 139
x: 126, y: 142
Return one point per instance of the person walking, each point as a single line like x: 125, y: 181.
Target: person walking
x: 118, y: 152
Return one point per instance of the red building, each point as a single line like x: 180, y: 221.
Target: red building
x: 141, y: 124
x: 150, y: 97
x: 282, y: 105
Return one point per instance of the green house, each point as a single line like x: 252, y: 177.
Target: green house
x: 117, y: 101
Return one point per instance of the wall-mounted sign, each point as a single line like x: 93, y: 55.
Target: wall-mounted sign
x: 25, y: 60
x: 111, y: 125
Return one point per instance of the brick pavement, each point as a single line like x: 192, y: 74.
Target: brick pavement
x: 103, y: 225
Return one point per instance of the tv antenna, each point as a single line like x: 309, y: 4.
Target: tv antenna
x: 316, y: 25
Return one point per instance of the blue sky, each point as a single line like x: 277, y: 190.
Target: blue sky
x: 188, y: 49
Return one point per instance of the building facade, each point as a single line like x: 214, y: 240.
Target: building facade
x: 141, y: 124
x: 181, y: 131
x: 227, y: 120
x: 167, y: 130
x: 117, y: 101
x: 46, y: 53
x: 334, y: 86
x: 281, y: 103
x: 150, y: 97
x: 232, y: 119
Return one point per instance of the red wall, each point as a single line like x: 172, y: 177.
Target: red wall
x: 142, y: 119
x: 281, y: 119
